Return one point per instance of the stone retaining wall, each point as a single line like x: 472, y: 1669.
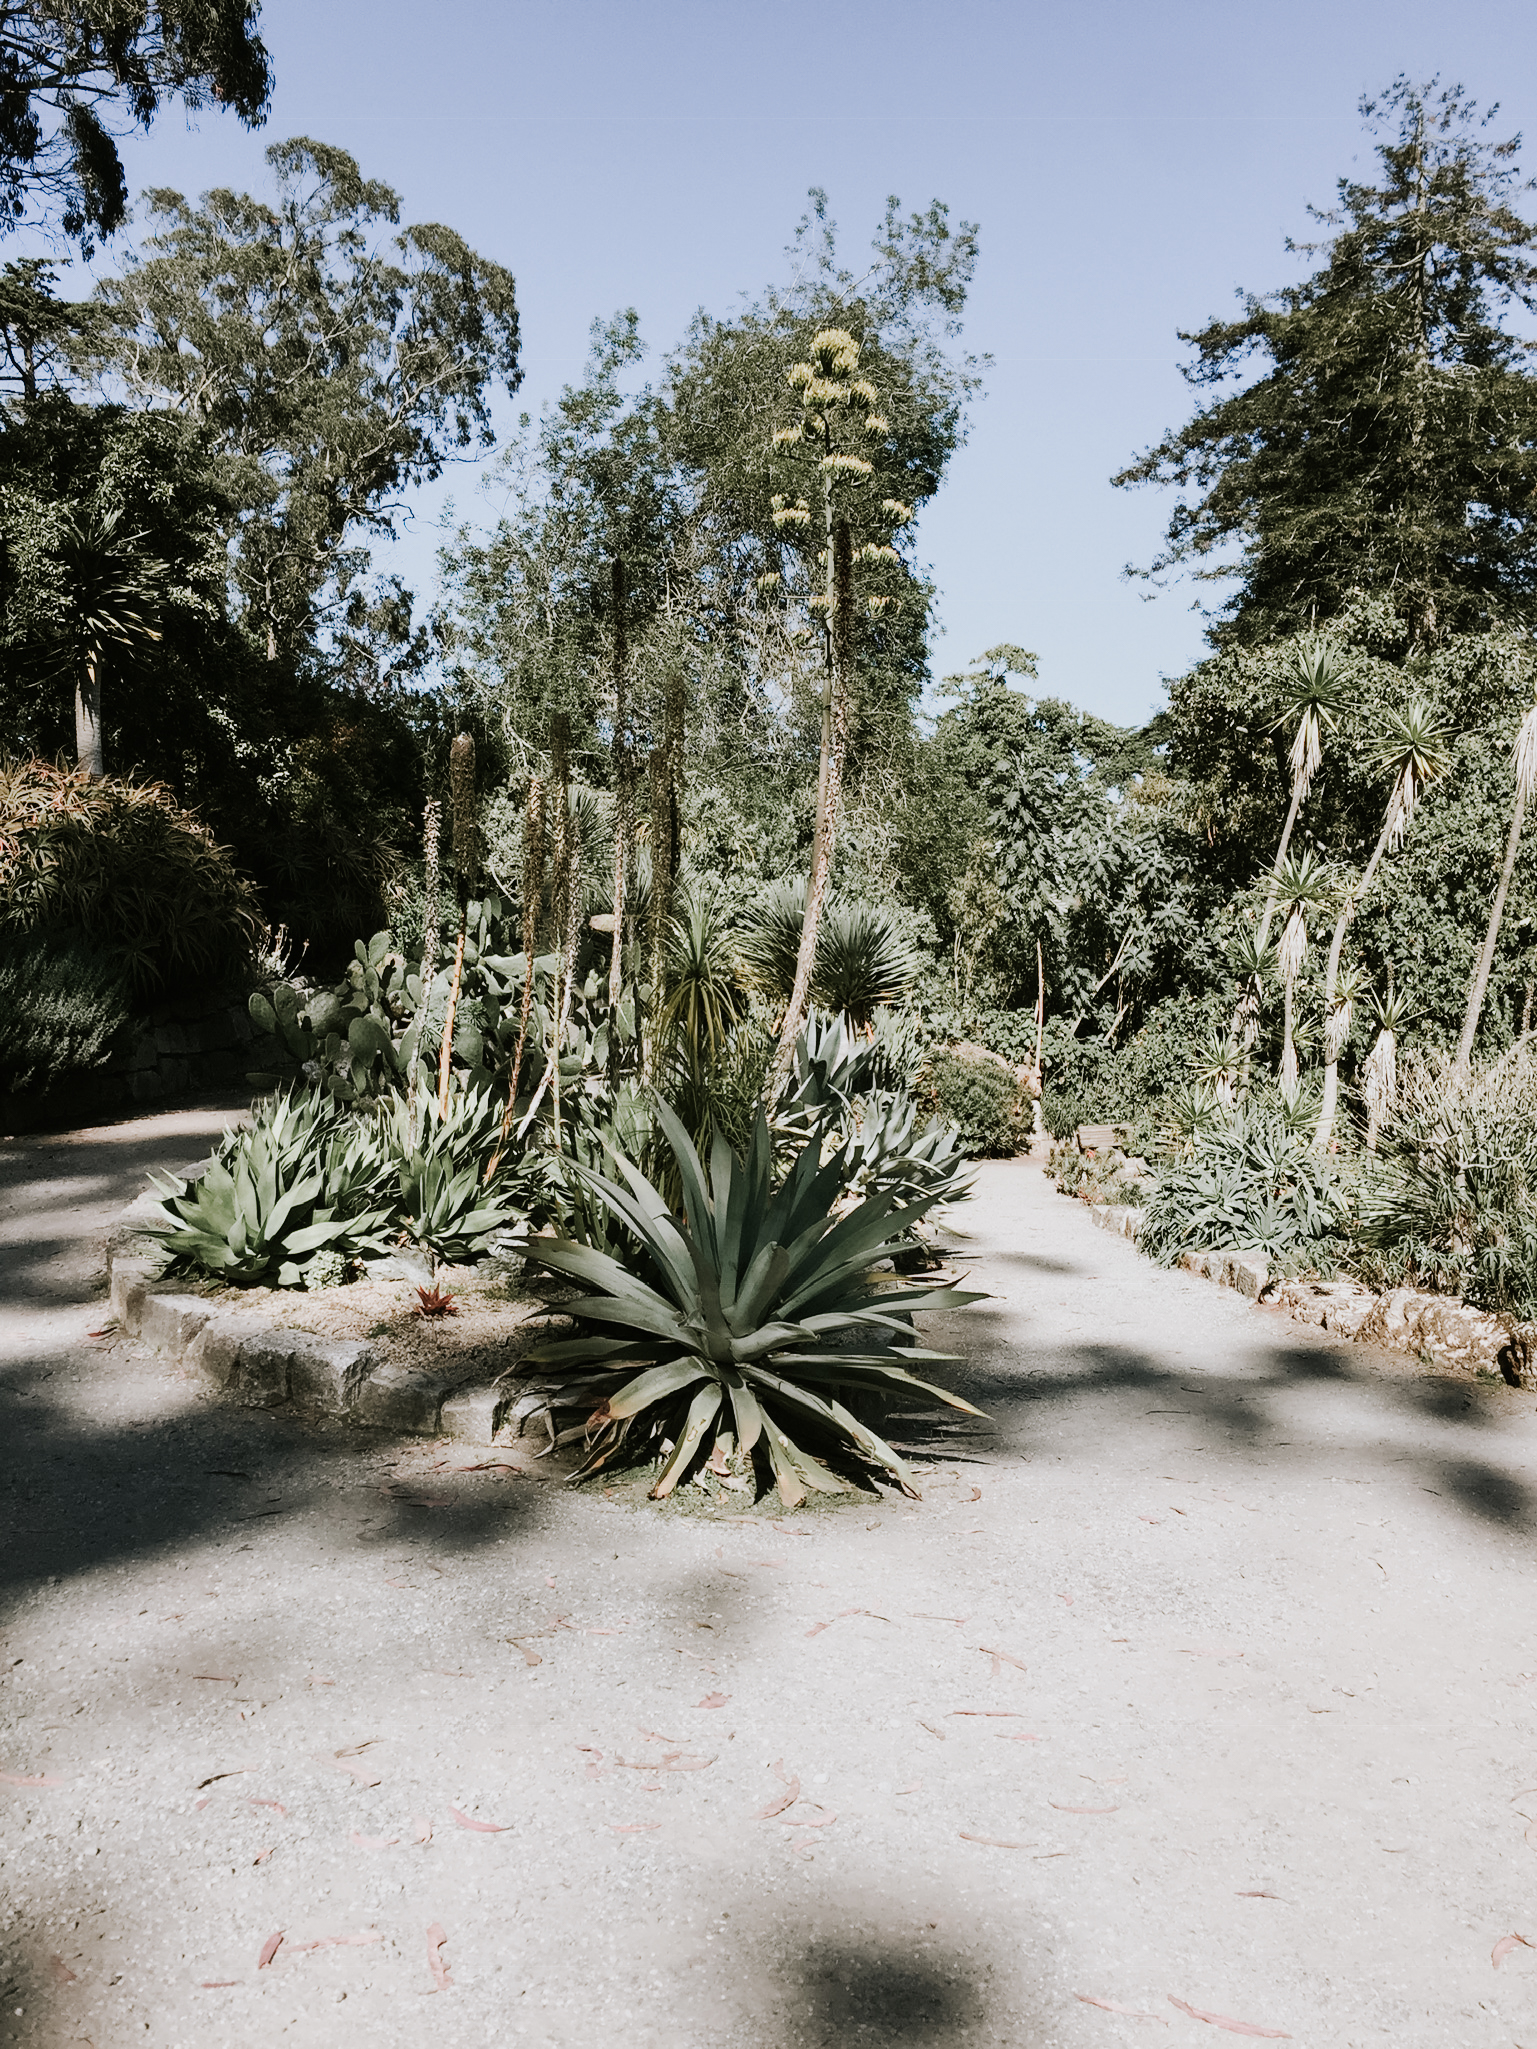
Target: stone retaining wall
x: 200, y: 1043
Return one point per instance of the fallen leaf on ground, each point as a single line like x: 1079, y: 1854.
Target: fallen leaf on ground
x: 490, y: 1465
x: 1257, y: 1896
x: 1115, y: 2006
x: 932, y: 1730
x: 442, y: 1672
x: 786, y: 1799
x: 357, y: 1749
x: 915, y: 1787
x: 315, y: 1680
x: 806, y: 1821
x: 992, y: 1842
x: 484, y: 1828
x: 62, y: 1974
x: 219, y: 1678
x: 1196, y: 1650
x: 632, y: 1828
x: 918, y: 1616
x: 1001, y: 1658
x: 40, y: 1779
x: 421, y: 1829
x: 262, y: 1856
x: 1149, y: 1518
x: 1505, y: 1945
x: 338, y: 1941
x: 219, y: 1984
x: 990, y: 1714
x: 362, y: 1773
x: 373, y: 1842
x: 437, y: 1936
x: 713, y: 1700
x: 270, y: 1949
x: 276, y: 1805
x: 1017, y: 1736
x: 654, y: 1735
x: 1066, y: 1597
x: 529, y: 1657
x: 1226, y: 2021
x: 1081, y: 1810
x: 199, y: 1805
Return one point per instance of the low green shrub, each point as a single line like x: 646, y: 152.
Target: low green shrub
x: 1450, y: 1203
x: 62, y: 1003
x: 983, y: 1100
x: 1248, y: 1182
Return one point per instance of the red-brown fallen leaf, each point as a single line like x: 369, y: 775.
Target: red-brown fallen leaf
x: 713, y: 1700
x: 373, y: 1842
x: 918, y: 1616
x: 975, y: 1494
x: 219, y: 1678
x: 1219, y: 1650
x: 219, y: 1984
x: 484, y: 1828
x: 1066, y: 1597
x: 276, y: 1805
x: 490, y: 1465
x: 1505, y: 1945
x: 1232, y: 2027
x: 806, y: 1821
x: 337, y: 1941
x: 1001, y: 1658
x: 1150, y: 1519
x: 915, y: 1787
x: 1081, y: 1810
x: 992, y: 1842
x: 29, y: 1779
x: 360, y: 1772
x: 270, y: 1949
x: 1016, y: 1736
x: 199, y: 1805
x: 437, y: 1936
x: 1257, y: 1896
x: 654, y: 1735
x: 529, y: 1657
x: 785, y: 1799
x: 632, y: 1828
x: 674, y: 1761
x: 62, y: 1974
x: 1115, y: 2006
x: 421, y: 1829
x: 442, y: 1672
x: 404, y: 1585
x: 262, y: 1855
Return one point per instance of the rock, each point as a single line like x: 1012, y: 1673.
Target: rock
x: 1100, y: 1138
x: 472, y: 1415
x: 1247, y: 1272
x: 326, y: 1373
x: 1342, y: 1306
x: 133, y: 1274
x: 400, y: 1398
x: 1518, y: 1357
x: 1121, y: 1217
x: 243, y: 1357
x: 170, y: 1322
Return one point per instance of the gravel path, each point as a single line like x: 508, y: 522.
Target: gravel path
x: 1252, y: 1612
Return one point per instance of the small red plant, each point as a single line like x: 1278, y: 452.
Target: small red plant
x: 434, y: 1302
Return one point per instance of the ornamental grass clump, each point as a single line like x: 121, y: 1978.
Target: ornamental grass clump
x: 748, y: 1328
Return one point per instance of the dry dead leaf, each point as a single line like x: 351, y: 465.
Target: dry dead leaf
x: 421, y: 1829
x: 1257, y: 1896
x: 269, y: 1949
x: 1016, y: 1736
x: 484, y: 1828
x: 437, y: 1936
x: 807, y: 1821
x: 632, y: 1828
x: 218, y: 1984
x: 276, y: 1805
x: 262, y: 1855
x: 654, y: 1735
x: 1505, y: 1945
x: 992, y: 1842
x: 62, y: 1974
x: 1115, y: 2006
x: 219, y: 1678
x: 990, y: 1714
x: 1226, y: 2022
x: 1081, y: 1810
x: 713, y: 1700
x: 786, y: 1799
x: 529, y: 1657
x: 932, y: 1730
x: 241, y: 1771
x: 1000, y: 1659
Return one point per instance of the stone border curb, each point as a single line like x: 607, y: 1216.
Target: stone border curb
x: 1448, y: 1331
x: 261, y: 1365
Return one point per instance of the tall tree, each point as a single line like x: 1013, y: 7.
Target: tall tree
x: 1389, y: 445
x: 73, y: 70
x: 331, y: 374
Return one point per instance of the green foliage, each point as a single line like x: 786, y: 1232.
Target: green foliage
x: 447, y: 1204
x: 62, y: 1003
x: 299, y: 1181
x: 1451, y: 1201
x: 754, y: 1317
x: 863, y: 960
x: 1250, y: 1182
x: 122, y: 864
x: 983, y: 1100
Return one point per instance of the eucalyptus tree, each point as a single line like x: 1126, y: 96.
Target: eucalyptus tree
x: 1388, y: 443
x: 1413, y: 749
x: 75, y: 75
x: 328, y: 372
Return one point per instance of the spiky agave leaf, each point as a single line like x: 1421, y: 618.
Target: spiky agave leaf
x: 749, y: 1320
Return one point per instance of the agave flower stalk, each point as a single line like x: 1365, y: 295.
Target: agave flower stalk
x: 751, y: 1319
x: 466, y: 852
x: 533, y: 890
x: 621, y: 760
x: 1525, y: 768
x: 1415, y: 749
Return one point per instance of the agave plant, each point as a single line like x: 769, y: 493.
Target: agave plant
x: 438, y: 1158
x: 294, y: 1185
x: 889, y: 1154
x: 754, y: 1318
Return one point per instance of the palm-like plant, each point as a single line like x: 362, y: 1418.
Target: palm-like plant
x: 1524, y: 764
x: 110, y: 590
x: 1414, y: 748
x: 1312, y: 707
x: 1301, y: 886
x: 863, y: 960
x: 1379, y: 1078
x: 732, y: 1329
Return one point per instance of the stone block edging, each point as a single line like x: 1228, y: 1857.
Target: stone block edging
x: 258, y: 1364
x: 1448, y: 1331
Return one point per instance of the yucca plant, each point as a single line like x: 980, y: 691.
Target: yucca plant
x: 727, y: 1332
x: 297, y: 1182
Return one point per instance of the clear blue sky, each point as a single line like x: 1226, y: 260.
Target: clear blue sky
x: 1131, y: 166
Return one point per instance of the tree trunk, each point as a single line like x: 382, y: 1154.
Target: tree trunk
x: 88, y: 748
x: 835, y: 693
x: 621, y: 756
x: 1480, y: 984
x: 1280, y: 855
x: 1326, y: 1110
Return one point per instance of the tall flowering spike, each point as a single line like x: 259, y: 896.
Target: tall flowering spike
x: 466, y: 813
x: 1526, y: 756
x: 896, y: 510
x: 837, y: 348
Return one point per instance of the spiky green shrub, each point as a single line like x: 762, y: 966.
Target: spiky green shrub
x: 1249, y: 1182
x: 863, y: 959
x: 62, y: 1003
x: 299, y: 1181
x: 438, y: 1160
x: 755, y: 1318
x: 123, y: 864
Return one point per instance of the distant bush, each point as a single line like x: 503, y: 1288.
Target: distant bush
x: 123, y: 865
x: 62, y: 1003
x: 983, y: 1100
x: 1250, y: 1182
